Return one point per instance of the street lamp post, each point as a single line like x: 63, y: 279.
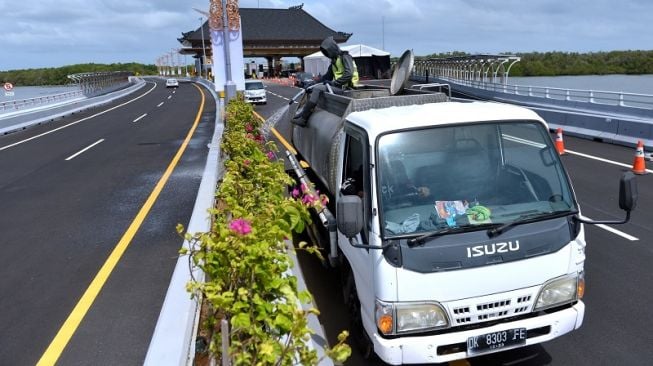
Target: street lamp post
x: 203, y: 49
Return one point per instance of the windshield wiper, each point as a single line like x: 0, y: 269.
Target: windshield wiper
x: 526, y: 218
x: 459, y: 229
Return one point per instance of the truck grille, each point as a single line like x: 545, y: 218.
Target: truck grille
x: 486, y: 308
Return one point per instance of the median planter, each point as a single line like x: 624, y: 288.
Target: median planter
x: 248, y: 280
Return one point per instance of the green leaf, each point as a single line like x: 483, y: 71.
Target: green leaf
x: 241, y: 321
x: 282, y: 322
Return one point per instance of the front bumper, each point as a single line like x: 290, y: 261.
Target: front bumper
x: 437, y: 348
x: 256, y: 99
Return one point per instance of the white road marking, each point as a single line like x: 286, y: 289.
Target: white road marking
x: 83, y: 150
x: 603, y: 160
x: 160, y: 104
x: 139, y: 118
x: 617, y: 232
x: 74, y: 123
x: 280, y: 96
x: 612, y: 230
x: 169, y: 96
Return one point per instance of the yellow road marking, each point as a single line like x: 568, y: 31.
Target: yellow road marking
x: 71, y: 324
x: 276, y: 133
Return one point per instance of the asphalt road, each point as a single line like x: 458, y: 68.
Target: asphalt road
x: 68, y: 194
x: 618, y: 324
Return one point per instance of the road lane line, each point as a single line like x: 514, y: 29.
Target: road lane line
x: 617, y: 232
x: 613, y: 230
x: 602, y: 160
x: 65, y: 333
x: 71, y: 157
x: 139, y: 118
x: 160, y: 104
x: 169, y: 96
x: 278, y: 136
x: 76, y: 122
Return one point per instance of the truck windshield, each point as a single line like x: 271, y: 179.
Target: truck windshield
x: 468, y: 177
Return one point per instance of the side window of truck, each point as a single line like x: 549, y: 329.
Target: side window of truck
x: 353, y: 170
x: 355, y: 175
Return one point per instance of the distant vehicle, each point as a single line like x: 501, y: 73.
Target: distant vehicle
x: 286, y: 73
x: 304, y: 79
x: 172, y: 83
x: 255, y: 92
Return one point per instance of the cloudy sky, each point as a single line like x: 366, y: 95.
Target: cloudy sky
x: 50, y: 33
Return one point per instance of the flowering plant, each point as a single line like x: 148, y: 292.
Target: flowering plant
x: 244, y: 257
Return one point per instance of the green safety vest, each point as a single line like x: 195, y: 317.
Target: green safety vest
x: 339, y: 69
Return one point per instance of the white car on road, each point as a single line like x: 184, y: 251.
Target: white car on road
x: 172, y: 83
x: 255, y: 92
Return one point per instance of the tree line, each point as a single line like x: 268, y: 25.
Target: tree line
x: 574, y: 63
x: 59, y: 75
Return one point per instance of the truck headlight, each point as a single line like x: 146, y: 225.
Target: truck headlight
x: 558, y: 291
x: 394, y: 318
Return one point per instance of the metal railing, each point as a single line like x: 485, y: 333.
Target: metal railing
x: 95, y: 83
x: 604, y: 97
x: 11, y: 105
x: 90, y: 84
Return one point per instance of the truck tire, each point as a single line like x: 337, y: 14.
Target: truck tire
x: 358, y: 334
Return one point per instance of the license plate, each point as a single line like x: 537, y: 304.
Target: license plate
x: 496, y: 340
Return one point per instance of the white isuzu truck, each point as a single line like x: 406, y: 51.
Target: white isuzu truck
x: 455, y: 224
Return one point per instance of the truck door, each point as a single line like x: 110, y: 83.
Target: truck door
x: 356, y: 180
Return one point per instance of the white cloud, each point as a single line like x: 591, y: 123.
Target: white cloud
x: 39, y: 33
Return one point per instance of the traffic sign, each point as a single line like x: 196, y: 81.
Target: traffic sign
x: 8, y: 86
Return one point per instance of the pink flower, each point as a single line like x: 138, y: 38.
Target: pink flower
x: 324, y: 199
x: 249, y: 128
x: 295, y: 193
x: 246, y: 162
x: 270, y: 155
x: 304, y: 188
x: 240, y: 226
x: 309, y: 199
x: 250, y: 136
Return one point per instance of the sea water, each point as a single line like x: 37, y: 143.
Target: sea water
x: 28, y: 92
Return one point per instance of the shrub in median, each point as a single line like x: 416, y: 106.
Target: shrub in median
x: 244, y: 257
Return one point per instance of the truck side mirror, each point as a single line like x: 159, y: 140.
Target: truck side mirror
x: 627, y: 200
x: 349, y: 213
x: 628, y: 192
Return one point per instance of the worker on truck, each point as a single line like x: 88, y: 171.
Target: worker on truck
x: 341, y: 74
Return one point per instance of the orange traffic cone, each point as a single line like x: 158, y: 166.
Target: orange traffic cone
x: 639, y: 166
x: 560, y: 145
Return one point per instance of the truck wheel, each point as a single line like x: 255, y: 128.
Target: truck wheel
x: 358, y: 335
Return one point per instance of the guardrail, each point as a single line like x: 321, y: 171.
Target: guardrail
x: 574, y: 95
x: 31, y: 102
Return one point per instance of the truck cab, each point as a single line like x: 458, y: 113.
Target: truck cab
x: 474, y: 213
x: 454, y: 223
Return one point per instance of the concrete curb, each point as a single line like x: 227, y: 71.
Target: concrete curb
x: 76, y: 106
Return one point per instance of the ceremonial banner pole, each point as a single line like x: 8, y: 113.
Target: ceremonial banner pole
x: 227, y: 44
